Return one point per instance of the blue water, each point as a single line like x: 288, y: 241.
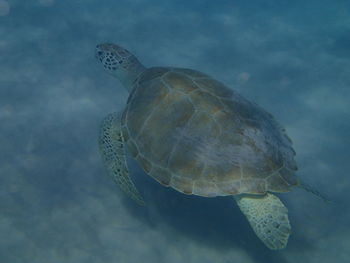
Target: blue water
x: 56, y: 202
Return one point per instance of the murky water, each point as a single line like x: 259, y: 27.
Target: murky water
x: 56, y: 202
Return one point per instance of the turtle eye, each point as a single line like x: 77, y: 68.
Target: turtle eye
x: 100, y: 53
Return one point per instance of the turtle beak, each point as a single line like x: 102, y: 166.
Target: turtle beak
x: 98, y: 53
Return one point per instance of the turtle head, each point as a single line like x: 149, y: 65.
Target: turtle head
x: 119, y: 62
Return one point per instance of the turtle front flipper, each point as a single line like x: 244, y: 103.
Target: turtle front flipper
x: 112, y: 149
x: 268, y: 217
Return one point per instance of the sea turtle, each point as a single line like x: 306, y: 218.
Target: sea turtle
x: 192, y: 133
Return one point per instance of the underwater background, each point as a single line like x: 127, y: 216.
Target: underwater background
x: 56, y: 202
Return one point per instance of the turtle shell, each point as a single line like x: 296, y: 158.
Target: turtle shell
x: 189, y: 131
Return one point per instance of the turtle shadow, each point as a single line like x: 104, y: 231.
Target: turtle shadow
x: 214, y: 222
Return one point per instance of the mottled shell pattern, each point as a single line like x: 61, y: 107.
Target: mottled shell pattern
x: 192, y: 133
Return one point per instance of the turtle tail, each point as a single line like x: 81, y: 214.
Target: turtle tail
x: 314, y: 191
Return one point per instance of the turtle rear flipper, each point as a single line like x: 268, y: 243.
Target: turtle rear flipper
x: 268, y: 217
x: 112, y: 149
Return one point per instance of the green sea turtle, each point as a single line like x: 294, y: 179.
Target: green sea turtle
x: 192, y: 133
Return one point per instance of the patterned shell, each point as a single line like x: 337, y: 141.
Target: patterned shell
x: 192, y: 133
